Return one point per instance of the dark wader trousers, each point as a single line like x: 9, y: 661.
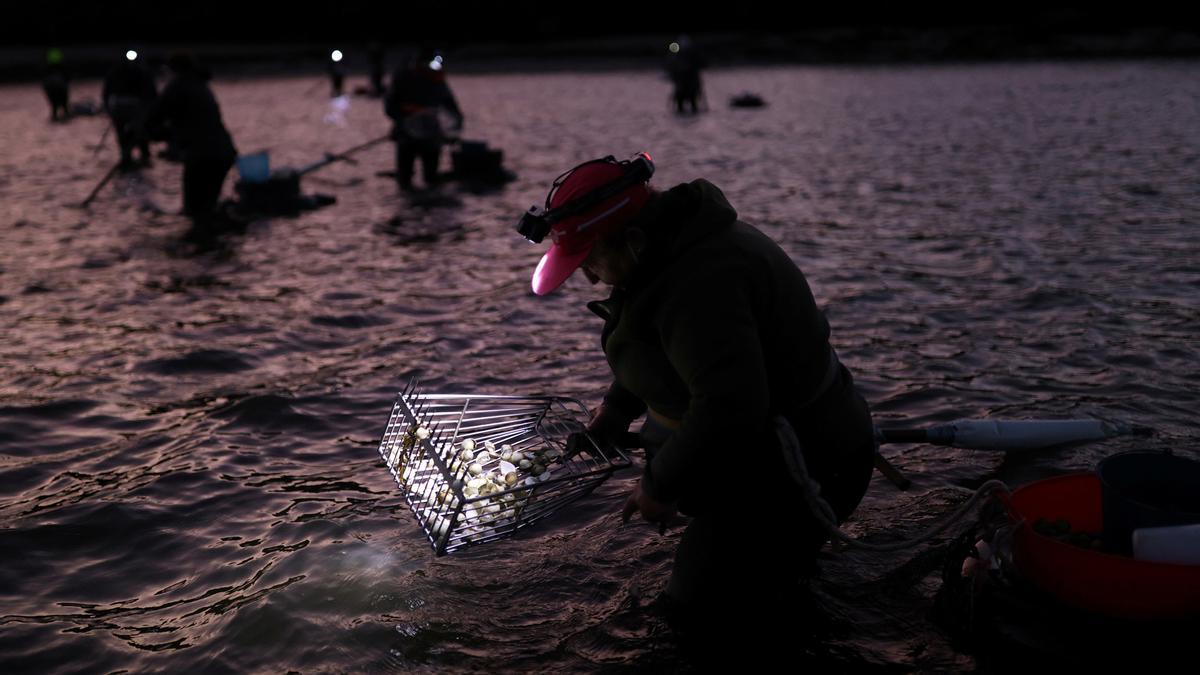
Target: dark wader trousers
x: 407, y: 152
x: 740, y: 562
x: 126, y: 121
x: 58, y: 96
x: 202, y: 182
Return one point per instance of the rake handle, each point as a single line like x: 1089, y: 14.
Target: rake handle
x: 103, y: 181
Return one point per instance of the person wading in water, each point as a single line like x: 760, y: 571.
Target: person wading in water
x: 712, y: 332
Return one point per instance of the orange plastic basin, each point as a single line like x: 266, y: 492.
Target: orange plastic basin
x: 1108, y: 584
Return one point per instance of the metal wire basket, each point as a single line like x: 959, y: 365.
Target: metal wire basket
x: 476, y: 468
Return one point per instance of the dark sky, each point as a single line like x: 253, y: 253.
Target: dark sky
x: 175, y: 21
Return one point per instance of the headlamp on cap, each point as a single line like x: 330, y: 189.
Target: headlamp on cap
x: 535, y: 223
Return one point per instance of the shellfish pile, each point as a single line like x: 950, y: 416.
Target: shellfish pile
x: 495, y: 482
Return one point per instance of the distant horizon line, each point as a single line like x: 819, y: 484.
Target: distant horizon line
x: 728, y: 48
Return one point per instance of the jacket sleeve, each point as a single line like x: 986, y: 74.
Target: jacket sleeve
x: 450, y: 103
x: 149, y: 88
x: 622, y: 401
x: 711, y: 337
x: 392, y: 99
x: 162, y: 110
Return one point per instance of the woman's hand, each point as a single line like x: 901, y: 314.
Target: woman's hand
x: 605, y: 428
x: 652, y: 510
x: 607, y: 425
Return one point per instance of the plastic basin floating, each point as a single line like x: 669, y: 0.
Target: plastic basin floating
x: 1113, y: 585
x: 1146, y: 489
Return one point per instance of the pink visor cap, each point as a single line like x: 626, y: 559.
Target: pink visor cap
x: 575, y: 235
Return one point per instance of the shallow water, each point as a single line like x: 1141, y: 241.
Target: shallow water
x: 188, y: 469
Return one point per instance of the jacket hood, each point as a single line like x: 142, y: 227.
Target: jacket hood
x: 686, y: 214
x: 678, y: 219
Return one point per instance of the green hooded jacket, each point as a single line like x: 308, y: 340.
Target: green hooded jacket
x: 719, y: 330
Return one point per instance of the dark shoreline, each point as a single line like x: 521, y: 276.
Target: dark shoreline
x: 832, y: 46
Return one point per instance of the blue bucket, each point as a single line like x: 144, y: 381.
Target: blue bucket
x: 254, y: 168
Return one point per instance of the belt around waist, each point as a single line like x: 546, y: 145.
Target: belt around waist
x: 115, y: 101
x: 662, y: 420
x: 827, y: 379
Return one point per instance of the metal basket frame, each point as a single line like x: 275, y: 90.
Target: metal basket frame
x: 434, y: 478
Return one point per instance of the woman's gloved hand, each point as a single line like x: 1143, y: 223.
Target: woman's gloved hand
x: 607, y: 428
x: 608, y: 425
x: 650, y: 508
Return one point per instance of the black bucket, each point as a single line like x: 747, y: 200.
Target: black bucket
x: 476, y: 159
x: 1146, y: 489
x: 278, y: 195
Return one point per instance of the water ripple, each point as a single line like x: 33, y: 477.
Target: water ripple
x: 188, y: 474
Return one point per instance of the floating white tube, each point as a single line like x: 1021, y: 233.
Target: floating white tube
x: 1008, y: 435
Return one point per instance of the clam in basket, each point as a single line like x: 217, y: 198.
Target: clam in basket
x: 476, y: 468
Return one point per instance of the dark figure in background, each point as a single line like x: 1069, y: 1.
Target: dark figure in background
x: 129, y: 92
x: 711, y: 330
x: 684, y: 63
x: 188, y: 109
x: 416, y: 101
x: 337, y: 74
x: 375, y: 56
x: 56, y: 85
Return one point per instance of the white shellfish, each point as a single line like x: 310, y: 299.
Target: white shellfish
x: 438, y: 525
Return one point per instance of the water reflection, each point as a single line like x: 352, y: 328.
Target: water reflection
x: 189, y: 472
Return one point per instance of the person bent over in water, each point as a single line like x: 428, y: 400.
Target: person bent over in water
x: 416, y: 101
x: 129, y: 91
x: 56, y: 84
x: 712, y: 332
x: 188, y: 111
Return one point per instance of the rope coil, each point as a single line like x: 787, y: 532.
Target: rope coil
x: 824, y: 513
